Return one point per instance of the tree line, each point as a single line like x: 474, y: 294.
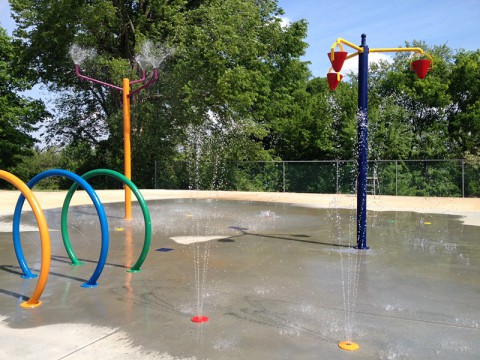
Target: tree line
x: 235, y: 90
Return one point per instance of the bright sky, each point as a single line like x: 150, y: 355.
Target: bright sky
x: 387, y: 23
x: 5, y: 21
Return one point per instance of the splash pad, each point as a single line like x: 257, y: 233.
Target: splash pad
x: 274, y: 282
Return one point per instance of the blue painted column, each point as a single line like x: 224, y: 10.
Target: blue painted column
x: 362, y: 134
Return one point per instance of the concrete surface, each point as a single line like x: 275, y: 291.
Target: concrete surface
x: 277, y: 281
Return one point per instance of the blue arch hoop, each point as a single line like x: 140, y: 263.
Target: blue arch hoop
x: 92, y: 282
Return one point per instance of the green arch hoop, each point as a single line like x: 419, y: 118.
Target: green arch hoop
x: 141, y: 201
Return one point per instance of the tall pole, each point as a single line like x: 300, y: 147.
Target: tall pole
x: 127, y: 146
x: 420, y: 66
x: 125, y: 89
x: 362, y: 145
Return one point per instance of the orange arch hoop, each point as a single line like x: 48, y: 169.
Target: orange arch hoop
x: 34, y: 300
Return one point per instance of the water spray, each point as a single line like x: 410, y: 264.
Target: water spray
x: 150, y: 56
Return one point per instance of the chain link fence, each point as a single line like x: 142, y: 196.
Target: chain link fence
x: 454, y: 178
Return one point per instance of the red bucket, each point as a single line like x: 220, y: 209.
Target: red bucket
x: 338, y: 59
x: 333, y: 80
x: 421, y: 67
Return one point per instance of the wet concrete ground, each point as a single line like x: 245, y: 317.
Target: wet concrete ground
x: 282, y: 282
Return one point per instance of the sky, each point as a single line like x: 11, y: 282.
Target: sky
x: 5, y: 20
x: 387, y: 23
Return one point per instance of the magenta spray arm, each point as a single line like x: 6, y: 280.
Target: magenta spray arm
x: 81, y: 76
x: 77, y: 72
x: 144, y: 77
x: 153, y: 79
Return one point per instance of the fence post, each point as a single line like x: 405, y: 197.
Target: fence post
x: 283, y: 169
x: 236, y: 175
x: 396, y: 177
x: 463, y: 178
x: 155, y: 174
x: 337, y: 175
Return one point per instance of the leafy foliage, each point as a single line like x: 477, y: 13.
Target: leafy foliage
x: 233, y: 61
x: 236, y: 87
x: 18, y: 114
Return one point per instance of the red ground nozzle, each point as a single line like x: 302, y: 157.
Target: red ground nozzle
x: 199, y: 319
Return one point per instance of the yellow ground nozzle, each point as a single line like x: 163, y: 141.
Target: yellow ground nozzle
x: 348, y: 345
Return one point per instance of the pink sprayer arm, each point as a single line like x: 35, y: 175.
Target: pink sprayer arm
x: 144, y: 76
x: 77, y: 72
x: 151, y: 81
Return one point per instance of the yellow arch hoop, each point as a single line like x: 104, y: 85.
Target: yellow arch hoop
x: 34, y: 300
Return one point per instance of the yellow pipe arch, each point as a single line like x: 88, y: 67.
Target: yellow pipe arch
x: 34, y: 300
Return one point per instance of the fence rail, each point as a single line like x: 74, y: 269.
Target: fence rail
x: 455, y: 178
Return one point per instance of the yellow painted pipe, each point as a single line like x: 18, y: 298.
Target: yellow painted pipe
x: 34, y: 300
x: 414, y: 49
x: 332, y: 50
x: 127, y: 147
x: 352, y: 45
x: 352, y: 55
x: 339, y: 42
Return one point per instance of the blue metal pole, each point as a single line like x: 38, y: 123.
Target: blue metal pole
x: 362, y: 134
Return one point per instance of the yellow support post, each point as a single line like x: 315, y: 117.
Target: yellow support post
x: 127, y: 147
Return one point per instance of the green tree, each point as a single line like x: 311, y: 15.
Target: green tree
x: 18, y: 113
x: 320, y: 124
x: 464, y: 117
x: 38, y: 161
x: 391, y: 134
x: 233, y: 61
x: 426, y: 102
